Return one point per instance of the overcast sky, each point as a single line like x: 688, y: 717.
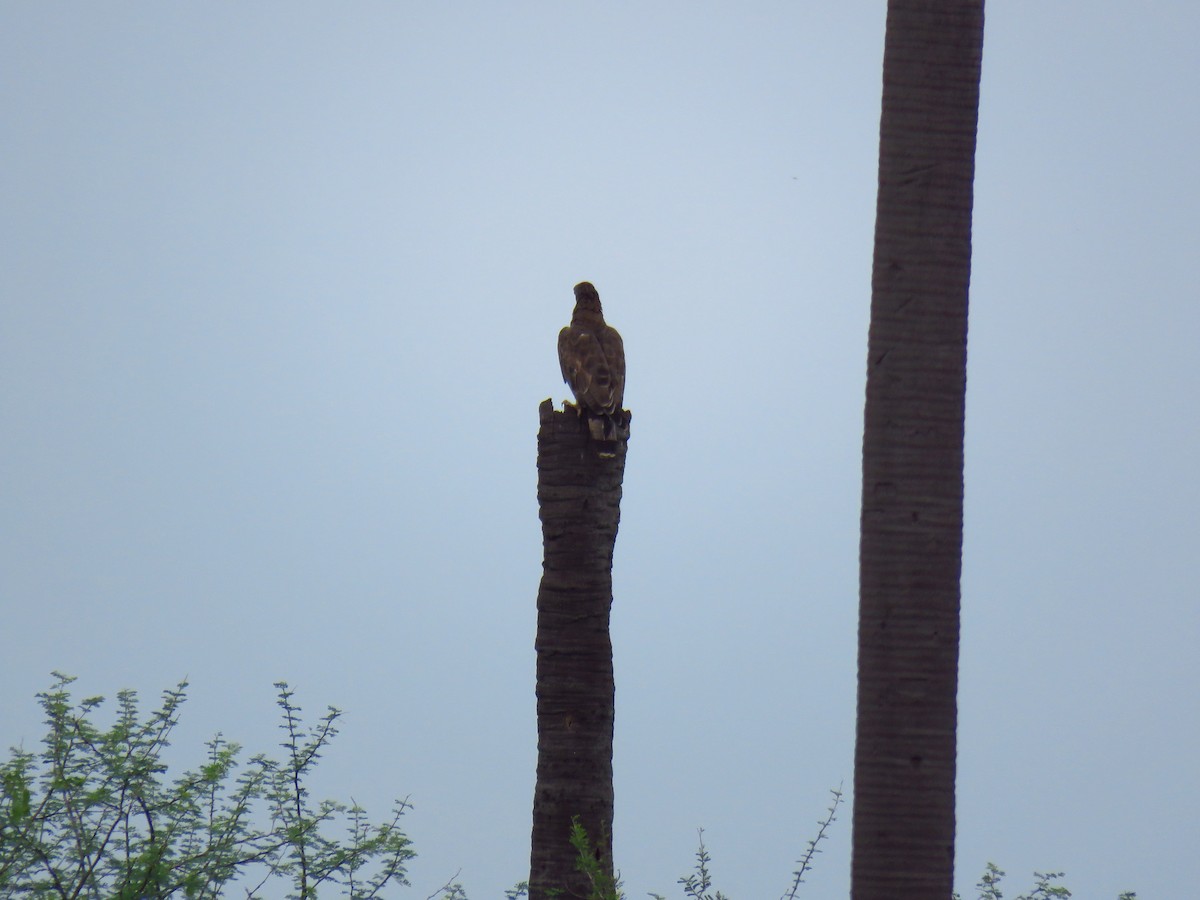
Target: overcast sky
x: 280, y: 288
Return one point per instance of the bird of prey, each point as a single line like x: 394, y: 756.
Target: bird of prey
x: 592, y: 357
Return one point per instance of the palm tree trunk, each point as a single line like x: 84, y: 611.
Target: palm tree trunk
x: 911, y: 539
x: 579, y: 496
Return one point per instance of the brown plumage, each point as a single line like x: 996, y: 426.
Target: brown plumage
x: 592, y: 356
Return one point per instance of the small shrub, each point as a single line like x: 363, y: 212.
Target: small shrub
x: 94, y: 814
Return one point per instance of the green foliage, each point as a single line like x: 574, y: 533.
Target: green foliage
x: 93, y: 814
x: 812, y: 850
x: 698, y: 885
x: 1045, y: 887
x: 989, y: 884
x: 604, y: 886
x: 450, y: 891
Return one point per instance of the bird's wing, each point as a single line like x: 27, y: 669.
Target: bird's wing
x: 568, y: 356
x: 586, y: 368
x: 614, y: 354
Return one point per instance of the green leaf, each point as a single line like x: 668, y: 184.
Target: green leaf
x: 17, y: 791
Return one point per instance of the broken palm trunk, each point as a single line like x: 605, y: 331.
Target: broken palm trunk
x: 579, y: 497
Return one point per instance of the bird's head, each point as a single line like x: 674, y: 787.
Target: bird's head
x: 586, y: 297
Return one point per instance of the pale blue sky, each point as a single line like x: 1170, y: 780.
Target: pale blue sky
x: 280, y: 288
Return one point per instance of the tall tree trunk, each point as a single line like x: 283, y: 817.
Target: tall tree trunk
x: 911, y: 541
x: 579, y: 496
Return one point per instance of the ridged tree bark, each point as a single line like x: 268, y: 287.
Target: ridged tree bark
x: 911, y: 537
x: 579, y: 496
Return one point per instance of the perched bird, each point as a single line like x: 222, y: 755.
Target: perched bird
x: 592, y: 357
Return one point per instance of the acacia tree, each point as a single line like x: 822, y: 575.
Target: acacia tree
x: 911, y: 527
x: 93, y: 815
